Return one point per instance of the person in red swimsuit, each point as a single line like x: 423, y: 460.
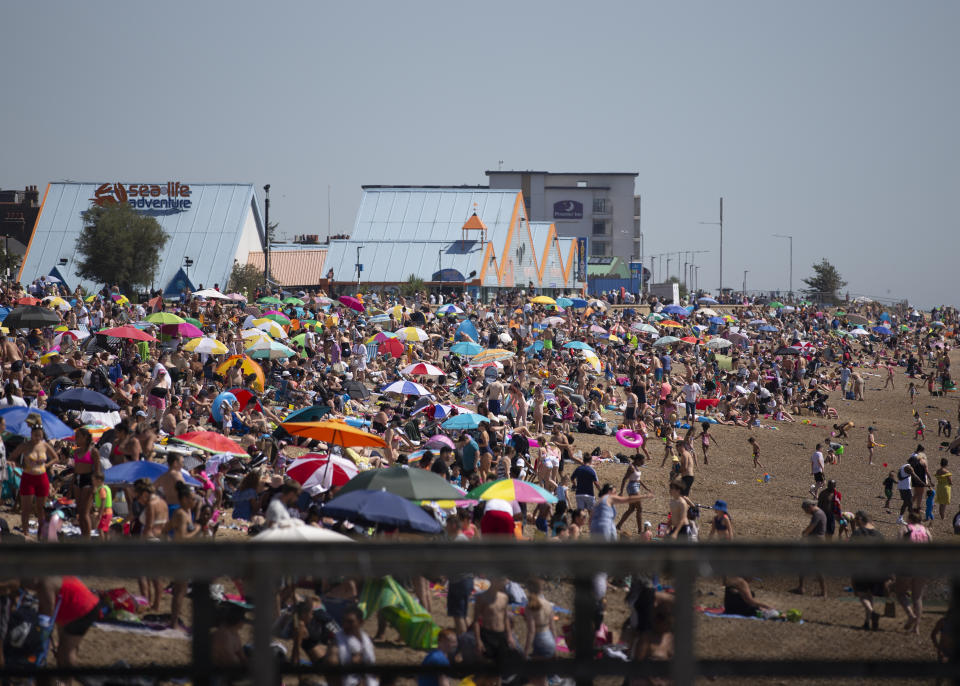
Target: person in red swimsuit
x: 79, y: 609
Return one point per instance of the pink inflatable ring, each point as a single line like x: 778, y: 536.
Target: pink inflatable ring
x: 629, y: 439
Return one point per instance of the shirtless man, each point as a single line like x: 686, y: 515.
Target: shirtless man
x: 36, y: 455
x: 688, y: 460
x: 166, y: 483
x: 491, y: 623
x: 10, y: 354
x: 494, y: 395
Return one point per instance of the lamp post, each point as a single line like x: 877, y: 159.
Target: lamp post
x: 266, y: 241
x: 745, y: 272
x: 187, y: 263
x: 668, y: 269
x: 720, y: 224
x: 440, y: 263
x: 359, y: 267
x: 789, y: 238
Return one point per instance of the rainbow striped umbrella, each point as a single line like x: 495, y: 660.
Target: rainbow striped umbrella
x: 512, y: 490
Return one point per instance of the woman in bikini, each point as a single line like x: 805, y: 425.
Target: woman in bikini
x: 633, y: 484
x: 85, y: 466
x: 153, y: 518
x: 35, y: 455
x: 541, y: 643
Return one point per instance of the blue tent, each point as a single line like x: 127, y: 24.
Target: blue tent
x: 466, y: 331
x: 178, y: 283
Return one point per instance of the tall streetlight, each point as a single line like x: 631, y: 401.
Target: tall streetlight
x: 266, y: 231
x: 745, y: 272
x: 359, y: 267
x: 720, y: 224
x: 789, y: 238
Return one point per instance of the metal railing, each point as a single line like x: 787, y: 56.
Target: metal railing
x: 262, y: 565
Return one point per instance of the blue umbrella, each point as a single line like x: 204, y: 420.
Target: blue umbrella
x: 466, y: 348
x: 449, y: 308
x: 564, y: 302
x: 466, y: 331
x: 534, y: 347
x: 577, y: 345
x: 882, y: 330
x: 466, y: 420
x: 217, y: 408
x: 767, y: 327
x: 314, y: 413
x: 16, y: 417
x: 81, y: 399
x: 674, y: 309
x: 716, y: 320
x: 708, y: 300
x: 381, y: 507
x: 128, y: 472
x: 4, y: 311
x: 578, y: 303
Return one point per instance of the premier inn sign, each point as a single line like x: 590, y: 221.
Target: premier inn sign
x: 169, y: 198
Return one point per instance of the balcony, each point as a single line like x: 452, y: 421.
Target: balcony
x: 602, y: 207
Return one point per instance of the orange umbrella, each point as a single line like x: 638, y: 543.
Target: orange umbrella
x: 28, y: 300
x: 671, y: 323
x: 248, y: 366
x: 335, y: 432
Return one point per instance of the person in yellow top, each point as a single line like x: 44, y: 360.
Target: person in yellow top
x: 944, y: 482
x: 102, y: 505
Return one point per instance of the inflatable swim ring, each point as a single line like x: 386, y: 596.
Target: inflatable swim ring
x: 629, y: 439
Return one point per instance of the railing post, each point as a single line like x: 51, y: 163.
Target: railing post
x: 202, y: 624
x: 951, y: 627
x: 684, y: 659
x: 584, y: 607
x: 262, y: 665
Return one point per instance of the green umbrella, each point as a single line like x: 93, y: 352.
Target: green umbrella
x: 196, y: 322
x: 293, y: 300
x: 165, y: 318
x: 271, y: 300
x: 775, y: 304
x: 281, y: 319
x: 412, y: 484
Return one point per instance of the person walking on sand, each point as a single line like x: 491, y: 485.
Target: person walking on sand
x: 706, y: 439
x: 816, y: 467
x: 944, y: 484
x: 871, y: 444
x: 756, y: 452
x: 816, y: 531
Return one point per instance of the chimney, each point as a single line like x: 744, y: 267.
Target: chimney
x: 31, y: 196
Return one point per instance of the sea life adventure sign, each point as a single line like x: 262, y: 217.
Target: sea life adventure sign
x: 149, y: 198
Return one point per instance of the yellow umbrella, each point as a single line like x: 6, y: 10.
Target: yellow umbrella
x: 544, y: 300
x: 49, y: 355
x: 203, y: 344
x: 331, y: 320
x: 247, y: 366
x: 593, y: 360
x: 253, y: 333
x: 55, y: 301
x: 492, y: 355
x: 270, y: 327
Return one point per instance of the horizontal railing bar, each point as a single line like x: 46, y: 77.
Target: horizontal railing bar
x: 206, y: 560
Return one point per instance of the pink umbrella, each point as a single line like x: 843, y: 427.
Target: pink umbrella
x: 236, y: 296
x: 183, y: 329
x: 326, y: 471
x: 440, y: 439
x: 352, y: 303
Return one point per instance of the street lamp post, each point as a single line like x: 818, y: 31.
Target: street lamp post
x: 668, y: 269
x: 266, y: 238
x: 359, y: 267
x: 789, y: 238
x: 720, y: 224
x: 745, y: 272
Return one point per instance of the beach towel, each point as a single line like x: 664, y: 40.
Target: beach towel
x: 401, y: 610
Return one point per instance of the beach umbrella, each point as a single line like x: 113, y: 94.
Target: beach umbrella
x: 314, y: 413
x: 326, y: 471
x: 670, y: 324
x: 16, y: 418
x: 379, y: 319
x: 412, y: 334
x: 467, y: 348
x: 130, y: 332
x: 56, y: 303
x: 270, y: 326
x: 449, y: 308
x: 564, y: 302
x: 204, y: 345
x: 129, y: 472
x: 185, y: 329
x: 440, y: 440
x: 278, y: 317
x: 708, y: 300
x: 787, y: 351
x: 757, y: 322
x: 297, y: 531
x: 164, y: 318
x: 592, y: 360
x: 412, y: 484
x: 294, y: 300
x: 598, y: 304
x: 61, y: 369
x: 273, y: 350
x: 214, y: 294
x: 31, y: 317
x: 692, y: 340
x: 492, y: 355
x: 882, y: 330
x: 718, y: 343
x: 270, y: 300
x: 383, y: 508
x: 405, y: 388
x: 644, y: 328
x: 716, y: 320
x: 594, y: 329
x: 666, y: 340
x: 247, y: 367
x: 381, y: 336
x: 465, y: 421
x: 767, y: 328
x: 512, y: 490
x: 554, y: 321
x: 334, y: 432
x: 708, y: 312
x: 857, y: 319
x: 29, y: 300
x: 534, y: 347
x: 775, y: 304
x: 675, y: 309
x: 392, y: 347
x: 211, y: 442
x: 577, y: 345
x: 81, y: 399
x: 543, y: 300
x: 423, y: 369
x: 351, y: 302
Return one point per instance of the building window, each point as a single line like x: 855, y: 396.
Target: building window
x: 602, y: 206
x: 600, y: 228
x: 637, y: 232
x: 599, y: 248
x: 581, y: 184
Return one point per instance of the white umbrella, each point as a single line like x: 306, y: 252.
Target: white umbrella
x: 718, y: 343
x: 666, y: 340
x: 644, y: 328
x: 706, y: 311
x: 209, y: 293
x: 859, y: 332
x: 294, y: 530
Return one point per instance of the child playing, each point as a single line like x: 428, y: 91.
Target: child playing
x: 871, y: 444
x: 928, y: 511
x: 944, y: 428
x: 919, y: 425
x: 756, y: 452
x: 102, y: 505
x: 912, y: 390
x: 888, y: 485
x: 705, y: 439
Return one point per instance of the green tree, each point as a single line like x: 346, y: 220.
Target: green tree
x: 825, y: 282
x: 9, y: 261
x: 245, y: 279
x: 119, y: 245
x: 412, y: 286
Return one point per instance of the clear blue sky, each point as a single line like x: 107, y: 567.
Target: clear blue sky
x: 834, y: 122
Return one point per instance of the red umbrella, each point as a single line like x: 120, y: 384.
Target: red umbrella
x: 352, y: 303
x: 327, y: 471
x: 212, y: 442
x: 392, y: 346
x: 28, y: 300
x: 127, y: 332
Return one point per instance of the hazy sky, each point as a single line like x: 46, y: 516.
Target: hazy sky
x: 836, y: 122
